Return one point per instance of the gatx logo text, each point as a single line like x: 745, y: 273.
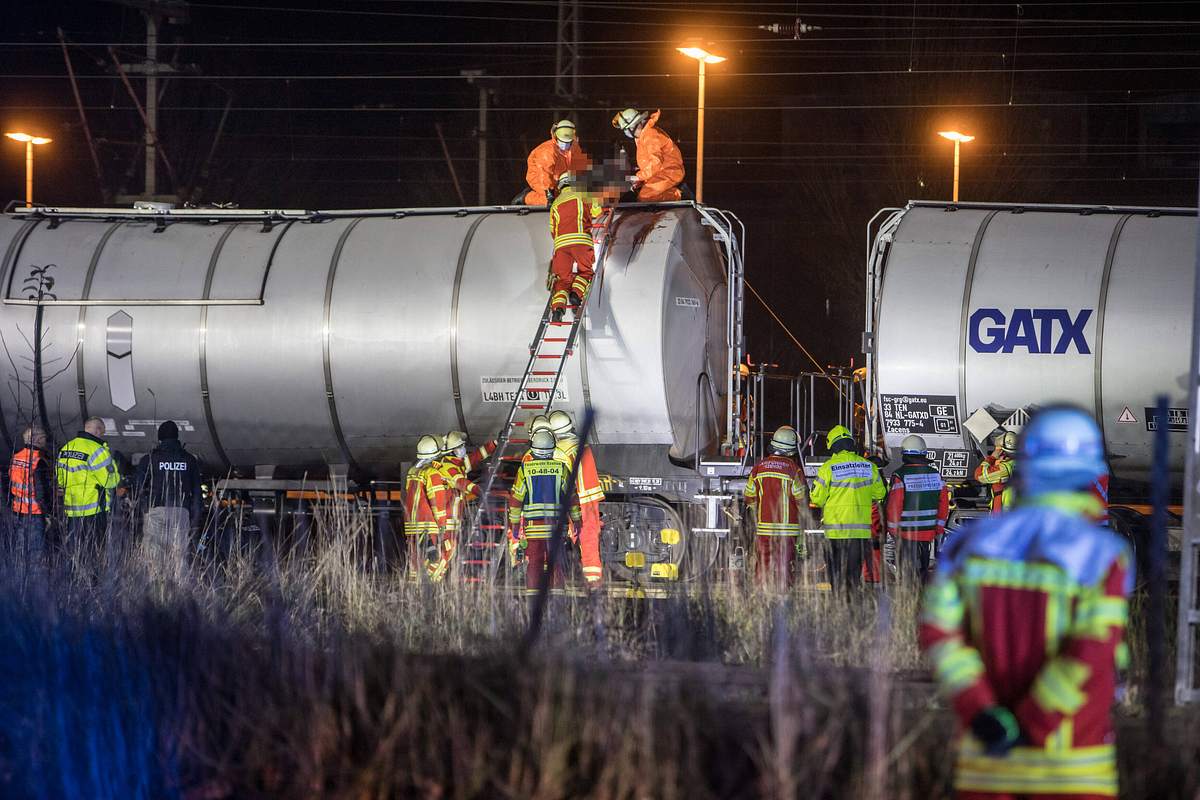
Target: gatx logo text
x: 1036, y: 330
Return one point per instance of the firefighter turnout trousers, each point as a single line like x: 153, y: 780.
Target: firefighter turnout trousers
x: 918, y: 503
x: 777, y: 493
x: 538, y: 493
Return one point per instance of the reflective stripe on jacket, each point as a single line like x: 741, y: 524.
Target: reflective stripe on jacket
x: 996, y: 473
x: 459, y: 491
x: 918, y: 502
x: 1027, y: 610
x: 87, y: 474
x: 571, y: 217
x: 587, y: 480
x: 538, y: 493
x: 777, y: 492
x: 846, y: 488
x: 28, y: 483
x: 424, y: 500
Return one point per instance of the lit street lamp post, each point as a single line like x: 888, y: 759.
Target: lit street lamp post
x: 29, y: 140
x: 703, y: 57
x: 959, y: 139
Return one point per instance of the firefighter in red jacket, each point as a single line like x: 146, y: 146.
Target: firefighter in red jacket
x: 1024, y: 621
x: 996, y: 472
x: 425, y: 502
x: 30, y: 478
x: 588, y: 493
x: 778, y: 494
x: 918, y: 503
x: 572, y: 215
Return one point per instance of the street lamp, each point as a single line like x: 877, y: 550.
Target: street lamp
x: 959, y: 139
x: 702, y: 57
x: 30, y: 140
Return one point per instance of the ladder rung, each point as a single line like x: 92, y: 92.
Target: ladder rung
x: 557, y: 339
x: 559, y: 324
x: 553, y: 355
x: 518, y: 441
x: 541, y: 373
x: 528, y: 405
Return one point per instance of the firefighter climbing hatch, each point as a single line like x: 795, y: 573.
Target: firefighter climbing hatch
x: 550, y: 159
x: 572, y: 216
x: 659, y: 162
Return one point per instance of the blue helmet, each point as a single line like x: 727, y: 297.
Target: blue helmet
x: 1061, y: 449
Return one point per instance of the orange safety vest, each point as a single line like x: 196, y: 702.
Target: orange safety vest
x: 22, y: 479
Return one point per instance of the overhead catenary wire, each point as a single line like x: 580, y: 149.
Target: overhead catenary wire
x: 792, y: 336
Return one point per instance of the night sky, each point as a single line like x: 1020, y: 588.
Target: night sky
x: 339, y: 105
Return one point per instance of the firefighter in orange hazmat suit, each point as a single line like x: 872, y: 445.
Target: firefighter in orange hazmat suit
x: 660, y: 164
x: 558, y: 154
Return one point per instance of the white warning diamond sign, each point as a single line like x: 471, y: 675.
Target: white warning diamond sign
x: 1127, y: 417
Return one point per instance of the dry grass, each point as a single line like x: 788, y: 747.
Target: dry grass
x: 314, y: 673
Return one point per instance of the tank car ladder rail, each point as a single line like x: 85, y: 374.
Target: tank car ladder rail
x: 1188, y: 634
x: 553, y: 343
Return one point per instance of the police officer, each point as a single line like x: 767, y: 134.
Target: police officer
x: 846, y: 489
x: 1024, y: 623
x: 87, y: 474
x: 168, y: 483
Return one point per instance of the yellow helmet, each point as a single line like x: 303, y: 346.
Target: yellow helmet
x: 561, y: 424
x: 428, y: 447
x: 539, y: 423
x: 455, y: 440
x: 563, y: 131
x: 628, y: 120
x: 836, y: 433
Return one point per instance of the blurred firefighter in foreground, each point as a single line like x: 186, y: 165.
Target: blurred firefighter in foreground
x: 996, y: 472
x: 30, y: 482
x: 538, y: 494
x: 587, y: 493
x: 918, y: 503
x: 846, y: 489
x: 1024, y: 622
x: 778, y: 494
x: 454, y: 464
x: 659, y: 162
x: 571, y: 269
x: 560, y: 153
x: 425, y: 502
x: 87, y: 476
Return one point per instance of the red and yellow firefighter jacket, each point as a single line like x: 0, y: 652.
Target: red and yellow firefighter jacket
x: 587, y: 480
x: 1027, y: 611
x: 777, y: 492
x: 458, y: 491
x: 1100, y: 492
x: 29, y: 482
x: 918, y: 502
x: 425, y: 501
x: 571, y: 217
x: 538, y: 493
x: 996, y: 473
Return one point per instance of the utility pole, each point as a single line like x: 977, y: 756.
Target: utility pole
x: 481, y: 130
x: 566, y: 54
x: 155, y: 12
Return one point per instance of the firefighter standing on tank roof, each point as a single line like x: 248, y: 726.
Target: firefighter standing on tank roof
x: 846, y: 489
x: 30, y: 485
x: 777, y: 492
x: 550, y: 159
x: 587, y: 492
x: 425, y: 502
x: 996, y: 472
x: 659, y: 162
x: 918, y: 503
x: 1024, y: 621
x: 572, y: 216
x: 538, y: 495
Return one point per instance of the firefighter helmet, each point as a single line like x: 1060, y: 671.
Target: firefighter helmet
x: 837, y: 433
x: 428, y: 447
x: 541, y: 444
x: 565, y: 180
x: 561, y: 423
x: 563, y: 131
x: 629, y: 121
x: 913, y: 445
x: 1061, y: 449
x: 455, y: 440
x: 1008, y: 442
x: 539, y: 423
x: 785, y: 440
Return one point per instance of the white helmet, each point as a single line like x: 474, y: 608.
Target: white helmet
x: 563, y: 131
x: 561, y: 423
x: 455, y: 441
x: 565, y: 180
x: 1008, y: 442
x: 913, y: 445
x: 629, y: 121
x: 541, y: 444
x: 785, y: 440
x: 428, y: 447
x: 539, y: 423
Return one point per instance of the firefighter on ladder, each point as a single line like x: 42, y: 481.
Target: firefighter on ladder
x: 572, y: 216
x: 996, y: 472
x: 778, y: 493
x: 425, y: 502
x: 1024, y: 621
x: 538, y: 495
x: 918, y: 503
x: 454, y: 464
x: 588, y: 493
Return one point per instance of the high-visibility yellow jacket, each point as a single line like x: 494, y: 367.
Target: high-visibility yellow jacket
x: 571, y: 216
x: 846, y: 488
x: 87, y: 474
x: 997, y: 474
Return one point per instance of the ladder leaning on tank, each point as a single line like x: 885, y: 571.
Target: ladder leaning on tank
x: 552, y: 344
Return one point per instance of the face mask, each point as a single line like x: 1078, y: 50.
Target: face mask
x: 629, y: 132
x: 564, y: 146
x: 461, y: 453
